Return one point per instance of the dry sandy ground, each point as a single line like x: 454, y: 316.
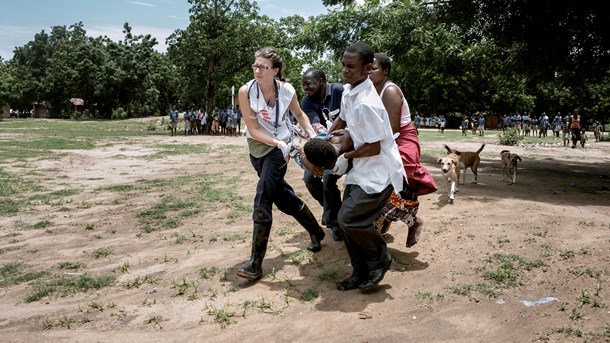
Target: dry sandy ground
x: 558, y: 213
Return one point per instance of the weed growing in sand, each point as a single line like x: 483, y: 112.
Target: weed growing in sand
x: 155, y: 320
x: 309, y: 295
x: 427, y: 299
x: 567, y: 254
x: 329, y: 275
x: 101, y: 252
x: 70, y: 265
x: 183, y: 287
x: 162, y: 215
x: 232, y: 237
x: 64, y: 286
x: 12, y: 248
x: 89, y: 226
x: 221, y: 316
x: 207, y: 273
x: 285, y: 230
x: 13, y: 273
x: 124, y: 267
x: 301, y: 257
x: 501, y: 271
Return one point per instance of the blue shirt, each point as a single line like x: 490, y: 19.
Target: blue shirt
x: 313, y: 107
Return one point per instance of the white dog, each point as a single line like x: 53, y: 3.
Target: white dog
x: 509, y: 166
x: 450, y: 167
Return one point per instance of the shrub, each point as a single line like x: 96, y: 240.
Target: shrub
x: 510, y: 137
x: 119, y: 113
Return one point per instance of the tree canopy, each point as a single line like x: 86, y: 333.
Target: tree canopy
x: 449, y: 56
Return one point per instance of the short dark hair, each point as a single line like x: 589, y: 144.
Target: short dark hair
x: 364, y: 50
x: 316, y: 73
x: 384, y: 61
x: 320, y: 152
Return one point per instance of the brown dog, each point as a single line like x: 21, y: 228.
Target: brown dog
x: 450, y: 167
x: 509, y: 166
x: 468, y: 159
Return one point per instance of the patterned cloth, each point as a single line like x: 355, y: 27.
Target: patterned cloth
x: 397, y: 209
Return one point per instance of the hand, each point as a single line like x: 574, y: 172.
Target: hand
x: 284, y: 148
x: 340, y: 165
x: 316, y: 170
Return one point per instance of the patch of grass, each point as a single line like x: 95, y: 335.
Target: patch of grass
x: 11, y: 248
x: 567, y: 254
x: 101, y: 252
x: 71, y: 265
x: 221, y: 316
x: 309, y: 295
x: 329, y: 275
x: 64, y: 286
x: 234, y: 237
x: 13, y: 273
x: 165, y: 150
x: 138, y: 281
x: 155, y: 320
x: 163, y: 214
x: 207, y: 273
x: 301, y: 257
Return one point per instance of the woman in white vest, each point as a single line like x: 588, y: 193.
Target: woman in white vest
x: 266, y: 102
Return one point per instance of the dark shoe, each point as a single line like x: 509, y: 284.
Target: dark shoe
x: 375, y: 276
x: 316, y: 240
x: 253, y: 269
x: 337, y: 234
x: 350, y: 283
x: 309, y: 222
x: 249, y: 273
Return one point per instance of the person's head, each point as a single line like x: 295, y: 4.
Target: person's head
x: 267, y: 64
x: 320, y: 152
x: 314, y: 81
x: 357, y: 62
x: 380, y: 70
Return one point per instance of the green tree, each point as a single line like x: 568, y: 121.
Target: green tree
x: 215, y: 51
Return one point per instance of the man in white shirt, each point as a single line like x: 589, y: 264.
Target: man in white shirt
x: 376, y: 172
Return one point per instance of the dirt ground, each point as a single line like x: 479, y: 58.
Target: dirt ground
x: 558, y: 213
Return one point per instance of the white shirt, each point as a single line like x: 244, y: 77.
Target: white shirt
x: 266, y: 115
x: 368, y: 122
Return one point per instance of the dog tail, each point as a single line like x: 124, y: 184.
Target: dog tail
x: 481, y: 148
x: 503, y: 151
x: 447, y: 148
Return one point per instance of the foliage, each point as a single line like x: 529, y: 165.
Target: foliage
x: 510, y: 137
x: 459, y: 56
x: 66, y: 63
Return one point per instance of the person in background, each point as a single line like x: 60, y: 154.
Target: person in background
x: 322, y: 104
x: 575, y: 128
x: 173, y: 121
x: 266, y: 101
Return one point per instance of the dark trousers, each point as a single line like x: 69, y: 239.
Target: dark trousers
x: 366, y: 248
x: 272, y: 188
x: 326, y: 192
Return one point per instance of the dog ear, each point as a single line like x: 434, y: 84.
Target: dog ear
x: 439, y: 161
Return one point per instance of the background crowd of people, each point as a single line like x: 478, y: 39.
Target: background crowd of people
x: 221, y: 121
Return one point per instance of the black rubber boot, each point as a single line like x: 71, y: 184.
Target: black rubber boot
x: 309, y: 222
x: 253, y: 269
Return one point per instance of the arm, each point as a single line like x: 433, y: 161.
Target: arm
x: 364, y: 150
x: 309, y: 111
x: 392, y: 101
x: 338, y: 124
x: 250, y: 119
x: 300, y: 116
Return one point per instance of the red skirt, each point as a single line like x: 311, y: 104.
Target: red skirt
x: 418, y: 176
